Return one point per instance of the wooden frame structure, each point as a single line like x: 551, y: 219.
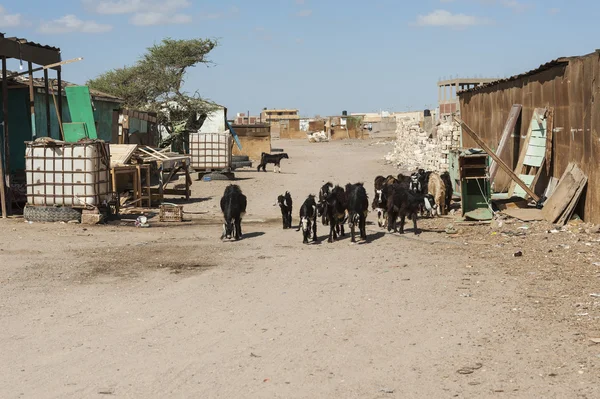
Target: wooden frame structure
x: 31, y: 53
x: 141, y: 193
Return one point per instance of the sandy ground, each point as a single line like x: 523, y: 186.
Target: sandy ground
x: 171, y: 311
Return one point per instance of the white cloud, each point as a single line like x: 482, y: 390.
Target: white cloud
x: 304, y: 13
x: 445, y: 18
x: 144, y: 12
x: 554, y: 11
x: 156, y: 18
x: 10, y: 20
x: 135, y: 6
x: 70, y: 23
x: 517, y: 6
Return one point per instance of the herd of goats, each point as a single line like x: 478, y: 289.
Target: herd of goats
x: 421, y: 193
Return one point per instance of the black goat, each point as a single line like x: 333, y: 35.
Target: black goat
x: 233, y: 206
x: 285, y: 203
x: 378, y: 203
x: 322, y: 205
x: 449, y: 190
x: 308, y: 219
x: 271, y: 158
x: 336, y: 212
x: 358, y: 208
x: 402, y: 202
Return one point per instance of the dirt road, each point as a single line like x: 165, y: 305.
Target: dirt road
x: 171, y: 311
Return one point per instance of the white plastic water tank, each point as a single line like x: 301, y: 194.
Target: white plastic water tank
x: 211, y: 151
x: 67, y: 174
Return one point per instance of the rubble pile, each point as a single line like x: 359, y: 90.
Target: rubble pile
x: 415, y: 148
x: 317, y: 137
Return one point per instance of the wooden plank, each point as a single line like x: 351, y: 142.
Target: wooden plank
x: 500, y: 162
x: 538, y: 142
x: 531, y: 160
x: 527, y: 179
x: 549, y: 139
x: 507, y: 133
x: 525, y: 214
x: 536, y: 118
x: 120, y: 154
x: 569, y: 185
x: 566, y: 216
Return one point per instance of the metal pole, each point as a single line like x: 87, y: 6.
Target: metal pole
x: 4, y: 107
x: 47, y: 101
x: 32, y: 102
x: 59, y: 92
x: 6, y: 198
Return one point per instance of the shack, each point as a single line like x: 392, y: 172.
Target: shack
x: 255, y: 140
x: 21, y: 128
x: 566, y: 86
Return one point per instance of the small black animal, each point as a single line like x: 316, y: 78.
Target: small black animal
x: 358, y: 208
x: 308, y: 220
x: 322, y: 205
x: 336, y: 212
x: 285, y: 203
x: 271, y: 158
x: 233, y: 206
x: 449, y: 190
x: 402, y: 202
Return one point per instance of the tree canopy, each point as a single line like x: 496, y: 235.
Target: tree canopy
x: 155, y: 83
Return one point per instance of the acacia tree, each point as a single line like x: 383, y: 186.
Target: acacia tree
x: 155, y: 84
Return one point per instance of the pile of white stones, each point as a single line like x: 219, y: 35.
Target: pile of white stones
x: 415, y: 148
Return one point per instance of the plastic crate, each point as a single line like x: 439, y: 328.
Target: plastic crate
x: 171, y: 213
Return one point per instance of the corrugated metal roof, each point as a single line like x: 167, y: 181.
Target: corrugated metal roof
x: 25, y: 41
x: 541, y: 68
x: 39, y: 83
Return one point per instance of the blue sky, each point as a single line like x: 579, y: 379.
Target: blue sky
x: 321, y: 57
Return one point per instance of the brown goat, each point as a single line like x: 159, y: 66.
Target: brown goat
x: 437, y: 189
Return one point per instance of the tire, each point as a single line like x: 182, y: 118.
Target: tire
x: 241, y: 164
x: 239, y: 158
x: 276, y: 149
x: 51, y: 214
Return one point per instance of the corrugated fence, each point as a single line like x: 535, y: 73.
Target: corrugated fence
x: 569, y: 86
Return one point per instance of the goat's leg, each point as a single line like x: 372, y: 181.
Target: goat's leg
x: 331, y: 231
x: 402, y: 221
x: 315, y: 237
x: 415, y: 224
x: 238, y: 228
x: 363, y: 227
x: 352, y: 228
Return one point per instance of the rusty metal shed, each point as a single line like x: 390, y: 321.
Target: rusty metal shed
x: 568, y: 85
x: 31, y: 53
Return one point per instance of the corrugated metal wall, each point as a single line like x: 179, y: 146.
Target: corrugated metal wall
x: 571, y: 90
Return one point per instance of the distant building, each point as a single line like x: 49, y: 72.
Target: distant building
x: 272, y: 115
x: 243, y: 119
x: 285, y: 123
x: 448, y: 93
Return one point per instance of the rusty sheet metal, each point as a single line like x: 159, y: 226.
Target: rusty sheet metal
x: 569, y: 86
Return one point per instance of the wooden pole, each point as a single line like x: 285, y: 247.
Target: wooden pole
x: 47, y: 103
x: 57, y: 110
x: 7, y: 203
x: 499, y: 161
x: 50, y: 66
x: 60, y: 107
x: 2, y: 175
x: 32, y: 102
